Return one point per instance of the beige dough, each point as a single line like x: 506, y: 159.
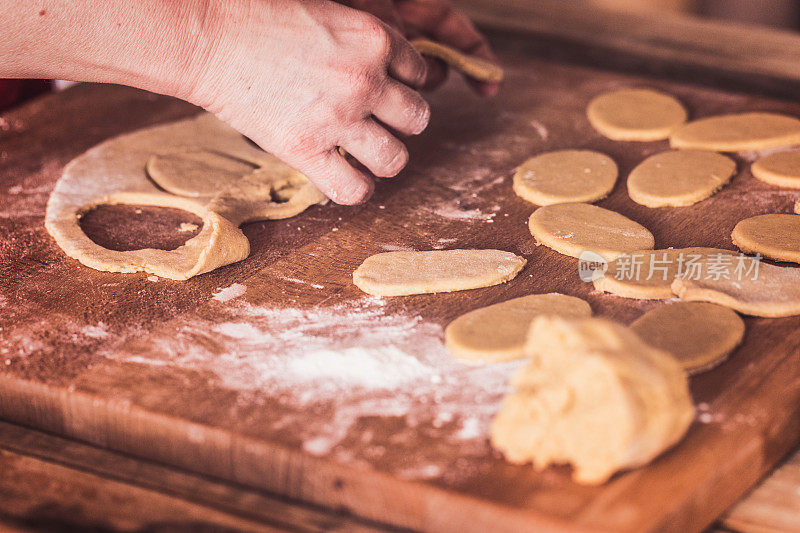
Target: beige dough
x: 781, y: 169
x: 404, y: 273
x: 635, y: 115
x: 565, y: 176
x: 738, y: 132
x: 595, y: 396
x: 497, y: 332
x: 699, y: 335
x: 679, y: 178
x: 115, y: 172
x: 474, y: 67
x: 648, y: 274
x: 775, y: 291
x: 776, y: 236
x: 573, y: 228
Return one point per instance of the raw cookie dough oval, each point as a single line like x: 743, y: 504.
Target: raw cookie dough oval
x: 404, y: 273
x: 196, y: 173
x: 565, y: 176
x: 699, y: 335
x: 776, y: 236
x: 592, y: 377
x: 679, y: 177
x: 635, y: 115
x: 472, y: 66
x: 497, y: 332
x: 648, y: 274
x: 781, y: 169
x: 769, y: 291
x: 738, y: 132
x: 573, y: 228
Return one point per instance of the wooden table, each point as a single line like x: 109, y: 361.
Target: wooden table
x: 80, y: 359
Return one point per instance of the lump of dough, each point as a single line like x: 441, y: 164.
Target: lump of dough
x: 594, y: 396
x: 776, y: 236
x: 738, y: 132
x: 497, y: 332
x: 404, y: 273
x: 635, y: 115
x: 781, y: 169
x: 770, y: 291
x: 565, y: 176
x: 679, y: 178
x: 648, y: 274
x: 699, y: 335
x: 573, y: 228
x: 472, y: 66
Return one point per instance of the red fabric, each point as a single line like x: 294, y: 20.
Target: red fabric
x: 13, y: 92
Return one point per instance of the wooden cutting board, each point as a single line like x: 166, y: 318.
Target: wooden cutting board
x: 278, y: 373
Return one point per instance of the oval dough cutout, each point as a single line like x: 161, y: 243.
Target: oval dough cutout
x: 781, y: 169
x: 472, y: 66
x: 404, y: 273
x: 738, y: 132
x: 635, y: 115
x: 196, y: 173
x: 648, y: 274
x: 497, y: 332
x: 595, y: 378
x: 565, y: 176
x: 573, y: 228
x: 699, y: 335
x: 679, y: 178
x: 771, y: 291
x: 776, y: 236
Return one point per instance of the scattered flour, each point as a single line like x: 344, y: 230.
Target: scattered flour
x: 229, y: 293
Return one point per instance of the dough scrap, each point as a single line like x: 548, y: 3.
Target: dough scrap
x: 573, y: 228
x: 635, y: 115
x: 115, y: 172
x: 699, y: 335
x: 738, y: 132
x: 781, y: 169
x: 565, y: 176
x: 648, y: 274
x: 472, y: 66
x: 679, y: 177
x: 497, y: 333
x: 773, y: 292
x: 776, y: 236
x: 405, y: 273
x: 594, y: 395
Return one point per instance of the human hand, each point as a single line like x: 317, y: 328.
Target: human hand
x: 304, y: 77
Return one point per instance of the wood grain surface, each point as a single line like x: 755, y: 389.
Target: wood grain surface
x: 143, y: 366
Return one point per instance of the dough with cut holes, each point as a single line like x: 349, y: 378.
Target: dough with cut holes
x: 497, y: 332
x: 738, y: 132
x: 404, y: 273
x: 679, y: 178
x: 595, y: 396
x: 474, y: 67
x: 768, y: 290
x: 227, y: 181
x: 699, y: 335
x: 776, y: 236
x: 573, y: 228
x: 565, y: 176
x: 648, y: 274
x: 635, y: 114
x: 781, y: 169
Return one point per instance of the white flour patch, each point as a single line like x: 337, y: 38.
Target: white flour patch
x: 453, y: 212
x: 332, y: 367
x: 754, y: 155
x: 540, y: 129
x: 229, y: 293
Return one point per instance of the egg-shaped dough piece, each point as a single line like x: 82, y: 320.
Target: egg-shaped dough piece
x: 776, y: 236
x: 635, y: 114
x: 565, y: 176
x: 781, y: 169
x: 738, y: 132
x: 574, y: 228
x: 678, y: 178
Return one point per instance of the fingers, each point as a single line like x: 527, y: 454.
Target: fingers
x: 402, y: 109
x: 380, y: 151
x: 337, y: 179
x: 406, y: 64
